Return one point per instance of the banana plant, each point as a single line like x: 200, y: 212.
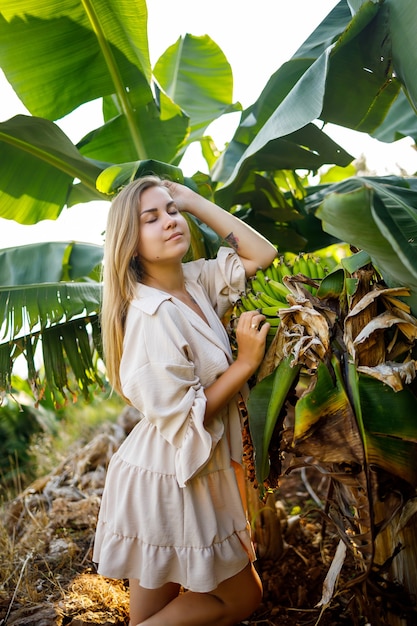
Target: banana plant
x: 358, y: 348
x: 346, y: 351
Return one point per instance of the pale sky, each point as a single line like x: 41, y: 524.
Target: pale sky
x: 256, y: 39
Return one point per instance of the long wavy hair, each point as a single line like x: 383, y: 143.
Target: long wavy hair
x: 121, y: 270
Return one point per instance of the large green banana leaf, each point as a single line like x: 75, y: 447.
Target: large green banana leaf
x: 39, y: 306
x: 332, y: 430
x: 102, y: 53
x: 361, y: 48
x: 50, y: 163
x: 39, y: 297
x: 279, y: 86
x: 192, y: 65
x: 58, y: 55
x: 390, y: 427
x: 48, y: 263
x: 265, y: 404
x: 197, y: 63
x: 161, y: 134
x: 66, y: 316
x: 381, y: 218
x: 399, y: 122
x: 402, y: 30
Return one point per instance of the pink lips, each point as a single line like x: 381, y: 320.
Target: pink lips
x: 175, y: 236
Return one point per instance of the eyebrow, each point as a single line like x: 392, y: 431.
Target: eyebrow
x: 155, y: 209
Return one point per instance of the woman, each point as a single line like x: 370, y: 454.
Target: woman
x: 171, y: 513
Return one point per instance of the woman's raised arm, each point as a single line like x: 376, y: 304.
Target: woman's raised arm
x: 254, y: 250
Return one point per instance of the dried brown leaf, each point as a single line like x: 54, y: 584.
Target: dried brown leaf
x: 396, y: 375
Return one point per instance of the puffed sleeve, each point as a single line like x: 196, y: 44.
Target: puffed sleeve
x: 158, y: 377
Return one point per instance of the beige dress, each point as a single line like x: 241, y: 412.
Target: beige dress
x: 171, y: 509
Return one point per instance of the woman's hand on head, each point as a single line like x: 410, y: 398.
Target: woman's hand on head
x: 183, y: 196
x: 251, y: 334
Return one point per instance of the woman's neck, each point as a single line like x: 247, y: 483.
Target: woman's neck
x: 174, y: 284
x: 170, y: 280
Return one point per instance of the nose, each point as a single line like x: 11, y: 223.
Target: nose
x: 170, y: 221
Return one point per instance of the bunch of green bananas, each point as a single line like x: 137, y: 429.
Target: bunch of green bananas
x: 308, y: 265
x: 266, y: 291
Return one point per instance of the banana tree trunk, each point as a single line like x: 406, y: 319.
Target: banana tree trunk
x: 399, y: 537
x: 266, y: 525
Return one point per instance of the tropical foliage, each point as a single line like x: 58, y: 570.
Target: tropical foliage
x: 352, y: 339
x: 149, y: 120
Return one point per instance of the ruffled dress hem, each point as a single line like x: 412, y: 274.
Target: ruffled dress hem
x: 128, y: 557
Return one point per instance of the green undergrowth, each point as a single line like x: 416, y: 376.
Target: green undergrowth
x: 34, y: 440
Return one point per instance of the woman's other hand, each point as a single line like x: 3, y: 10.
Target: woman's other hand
x: 251, y: 334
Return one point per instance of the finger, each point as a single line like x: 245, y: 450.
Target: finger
x: 257, y: 320
x: 263, y: 331
x: 245, y: 319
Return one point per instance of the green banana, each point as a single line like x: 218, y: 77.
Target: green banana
x: 238, y: 309
x: 246, y: 303
x: 303, y: 265
x: 321, y: 272
x: 310, y: 266
x: 307, y: 269
x: 254, y: 300
x: 314, y: 266
x: 272, y: 271
x: 295, y: 265
x: 279, y: 290
x: 273, y: 321
x: 268, y: 301
x: 283, y: 269
x: 257, y: 288
x: 265, y: 294
x: 255, y: 285
x: 260, y: 283
x: 270, y: 311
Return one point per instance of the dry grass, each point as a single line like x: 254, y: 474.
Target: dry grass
x: 46, y: 539
x: 96, y: 599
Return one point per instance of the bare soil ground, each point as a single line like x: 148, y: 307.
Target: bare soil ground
x: 47, y: 532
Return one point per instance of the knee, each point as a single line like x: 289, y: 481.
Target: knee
x: 251, y: 598
x: 248, y: 595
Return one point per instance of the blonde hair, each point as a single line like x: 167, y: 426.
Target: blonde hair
x: 121, y: 270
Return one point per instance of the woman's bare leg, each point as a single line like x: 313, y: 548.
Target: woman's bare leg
x: 232, y: 601
x: 146, y: 602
